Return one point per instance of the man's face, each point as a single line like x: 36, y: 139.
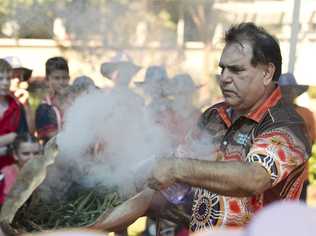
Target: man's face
x: 28, y: 151
x: 242, y: 84
x: 58, y: 79
x: 5, y: 83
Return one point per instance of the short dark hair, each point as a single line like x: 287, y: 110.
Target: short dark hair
x: 22, y: 138
x: 265, y: 47
x: 56, y: 63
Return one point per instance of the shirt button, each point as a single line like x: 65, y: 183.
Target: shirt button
x: 225, y: 142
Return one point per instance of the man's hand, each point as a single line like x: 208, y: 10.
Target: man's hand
x: 163, y: 174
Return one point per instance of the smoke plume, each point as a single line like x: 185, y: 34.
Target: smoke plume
x: 111, y: 139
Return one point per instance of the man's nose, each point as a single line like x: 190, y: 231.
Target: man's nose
x: 226, y: 76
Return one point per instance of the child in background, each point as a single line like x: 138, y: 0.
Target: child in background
x: 49, y: 116
x: 24, y: 148
x: 12, y: 122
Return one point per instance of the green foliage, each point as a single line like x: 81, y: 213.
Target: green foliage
x: 312, y: 91
x: 4, y: 7
x: 166, y: 18
x: 34, y: 17
x: 312, y: 166
x: 115, y: 23
x: 81, y: 208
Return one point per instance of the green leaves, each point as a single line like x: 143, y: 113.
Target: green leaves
x: 312, y: 166
x: 80, y: 209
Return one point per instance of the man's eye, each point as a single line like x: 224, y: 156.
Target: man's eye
x: 236, y: 70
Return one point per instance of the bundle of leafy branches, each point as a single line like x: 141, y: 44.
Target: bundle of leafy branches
x: 80, y: 208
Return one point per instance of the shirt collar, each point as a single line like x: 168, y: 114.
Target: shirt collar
x: 257, y: 115
x: 272, y: 100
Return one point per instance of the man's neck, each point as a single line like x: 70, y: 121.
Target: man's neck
x: 237, y: 113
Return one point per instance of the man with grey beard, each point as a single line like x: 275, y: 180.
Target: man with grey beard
x: 260, y: 144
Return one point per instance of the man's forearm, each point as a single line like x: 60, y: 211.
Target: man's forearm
x: 229, y: 178
x: 126, y: 213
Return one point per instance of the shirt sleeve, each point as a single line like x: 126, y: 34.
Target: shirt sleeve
x: 279, y: 151
x: 45, y: 120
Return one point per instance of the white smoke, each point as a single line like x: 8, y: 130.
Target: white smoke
x: 118, y: 121
x: 131, y: 136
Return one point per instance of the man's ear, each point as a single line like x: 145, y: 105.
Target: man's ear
x: 269, y: 71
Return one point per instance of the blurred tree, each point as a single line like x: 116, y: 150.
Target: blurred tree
x: 199, y: 21
x: 117, y: 23
x: 199, y: 17
x: 5, y: 11
x: 33, y: 17
x: 113, y: 18
x: 113, y: 21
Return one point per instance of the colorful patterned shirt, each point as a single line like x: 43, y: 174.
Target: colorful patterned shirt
x: 274, y: 137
